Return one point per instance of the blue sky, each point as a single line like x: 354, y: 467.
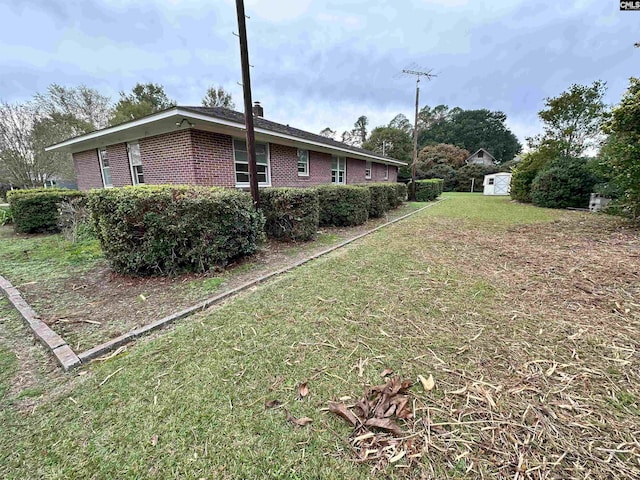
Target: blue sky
x: 324, y: 63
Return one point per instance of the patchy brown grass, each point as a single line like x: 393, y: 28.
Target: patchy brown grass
x: 86, y: 303
x: 528, y: 320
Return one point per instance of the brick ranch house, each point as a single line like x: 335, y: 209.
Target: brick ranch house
x: 206, y: 146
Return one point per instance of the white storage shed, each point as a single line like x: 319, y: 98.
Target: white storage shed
x: 497, y: 184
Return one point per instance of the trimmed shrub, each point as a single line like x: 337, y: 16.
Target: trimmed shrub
x: 383, y: 198
x: 564, y: 183
x: 428, y: 190
x: 164, y: 230
x: 290, y: 214
x: 343, y: 205
x: 401, y: 193
x: 524, y: 173
x: 37, y: 210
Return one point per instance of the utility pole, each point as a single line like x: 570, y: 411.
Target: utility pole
x: 414, y: 159
x: 248, y: 104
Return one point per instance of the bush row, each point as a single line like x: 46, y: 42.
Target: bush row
x: 290, y: 213
x: 428, y: 190
x: 165, y: 230
x: 149, y: 230
x: 37, y: 210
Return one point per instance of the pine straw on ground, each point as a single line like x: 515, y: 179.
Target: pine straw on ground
x: 546, y: 384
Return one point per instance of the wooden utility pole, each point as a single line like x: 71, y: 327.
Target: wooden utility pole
x: 414, y: 159
x: 248, y: 104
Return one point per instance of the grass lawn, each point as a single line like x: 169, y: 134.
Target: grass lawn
x: 528, y: 320
x: 79, y: 297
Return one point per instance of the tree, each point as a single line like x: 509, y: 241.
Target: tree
x: 17, y: 158
x: 574, y: 118
x: 472, y: 130
x: 82, y: 108
x: 442, y: 154
x: 397, y: 144
x: 473, y: 171
x: 448, y: 175
x: 400, y: 122
x: 532, y: 163
x: 622, y: 150
x: 218, y: 97
x: 429, y: 117
x: 328, y: 133
x: 564, y: 183
x: 360, y: 129
x: 143, y: 100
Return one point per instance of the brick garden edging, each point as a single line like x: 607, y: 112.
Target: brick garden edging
x: 50, y: 339
x: 68, y: 359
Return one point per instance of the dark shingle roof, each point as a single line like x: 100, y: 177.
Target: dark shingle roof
x: 259, y: 122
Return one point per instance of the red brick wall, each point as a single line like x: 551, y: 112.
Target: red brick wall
x: 206, y: 158
x: 213, y: 159
x: 284, y: 167
x: 168, y: 158
x: 355, y: 170
x: 119, y: 164
x: 87, y: 168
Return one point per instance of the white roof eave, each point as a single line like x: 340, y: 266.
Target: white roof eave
x: 87, y: 141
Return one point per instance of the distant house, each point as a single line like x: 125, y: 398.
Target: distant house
x: 481, y: 157
x: 206, y: 146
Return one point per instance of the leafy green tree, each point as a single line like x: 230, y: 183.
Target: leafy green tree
x: 473, y: 171
x: 397, y: 144
x: 574, y: 118
x: 622, y: 151
x: 472, y: 130
x: 532, y: 163
x: 448, y: 175
x: 143, y: 100
x: 565, y: 182
x: 218, y: 97
x: 441, y: 153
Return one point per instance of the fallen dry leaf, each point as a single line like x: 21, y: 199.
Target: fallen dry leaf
x: 154, y: 440
x: 272, y: 404
x: 303, y: 390
x: 341, y: 409
x: 384, y: 424
x: 386, y: 372
x: 298, y: 422
x: 427, y: 383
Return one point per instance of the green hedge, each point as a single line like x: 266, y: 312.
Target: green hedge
x: 148, y: 230
x: 37, y: 210
x: 401, y: 194
x: 343, y: 205
x: 382, y: 198
x: 290, y: 213
x: 428, y: 190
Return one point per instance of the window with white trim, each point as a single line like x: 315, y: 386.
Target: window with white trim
x: 241, y: 163
x: 386, y: 172
x: 338, y: 169
x: 367, y: 170
x: 135, y: 163
x: 105, y: 169
x: 303, y: 163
